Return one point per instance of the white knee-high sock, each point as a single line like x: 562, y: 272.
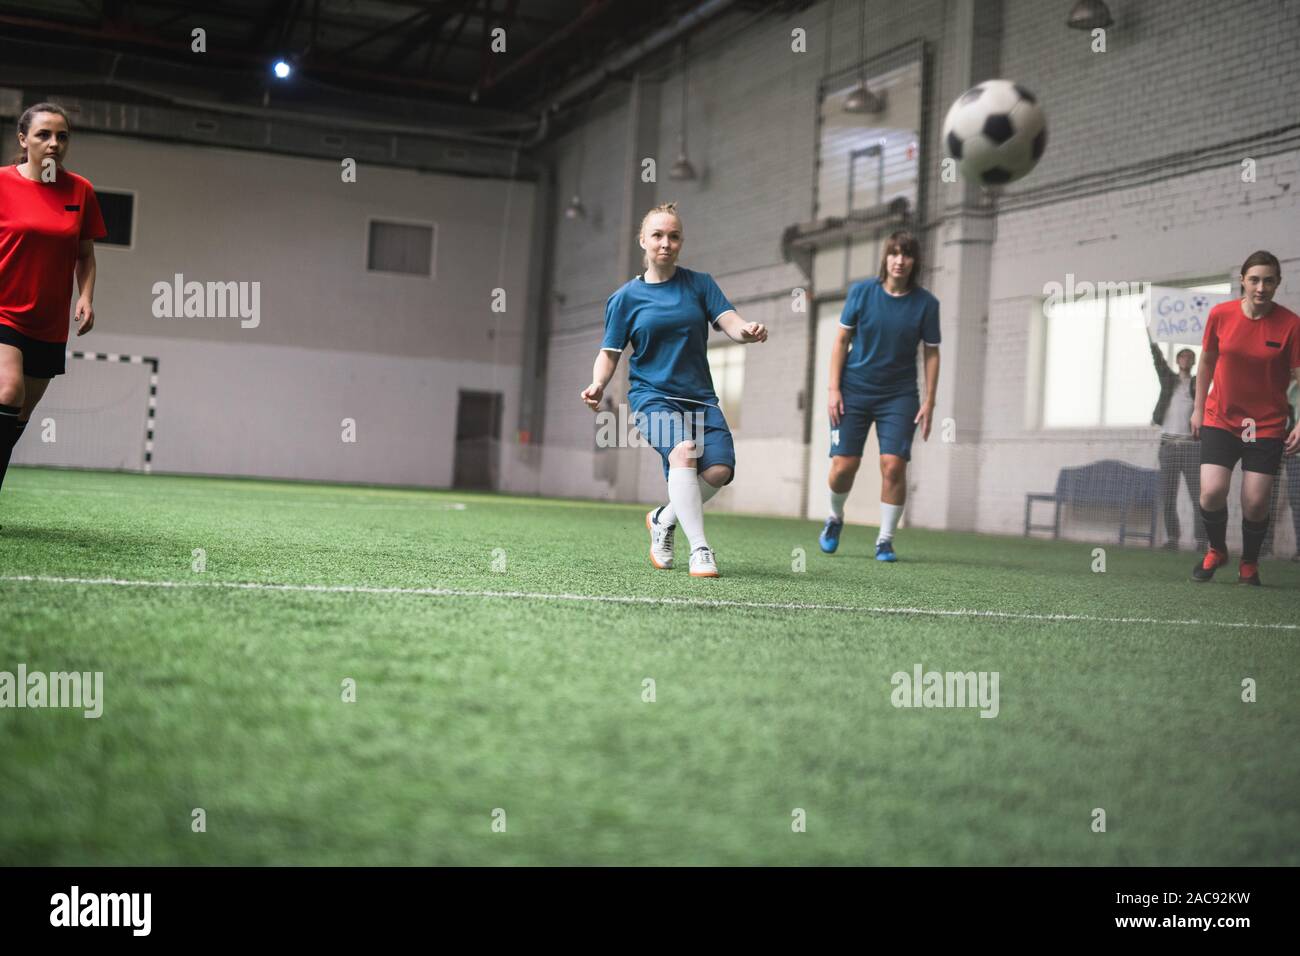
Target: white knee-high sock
x: 837, y: 504
x: 687, y: 504
x: 668, y: 516
x: 889, y: 515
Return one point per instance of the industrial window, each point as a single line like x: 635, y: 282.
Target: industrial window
x: 1097, y: 361
x: 727, y: 366
x: 118, y: 210
x: 402, y: 247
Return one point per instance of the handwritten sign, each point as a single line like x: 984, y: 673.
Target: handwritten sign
x: 1178, y: 315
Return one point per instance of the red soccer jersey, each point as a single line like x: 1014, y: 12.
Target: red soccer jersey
x: 1256, y: 358
x: 41, y: 225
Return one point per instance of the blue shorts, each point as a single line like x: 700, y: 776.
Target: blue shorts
x: 895, y: 419
x: 665, y: 423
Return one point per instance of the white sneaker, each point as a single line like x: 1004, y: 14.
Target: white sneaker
x: 661, y: 541
x: 703, y: 564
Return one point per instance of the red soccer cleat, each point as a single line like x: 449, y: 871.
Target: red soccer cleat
x: 1214, y: 559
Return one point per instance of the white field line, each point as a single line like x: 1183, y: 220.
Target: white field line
x: 304, y: 503
x: 655, y: 601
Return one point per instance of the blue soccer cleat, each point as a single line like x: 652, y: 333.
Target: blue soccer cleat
x: 885, y: 551
x: 829, y: 539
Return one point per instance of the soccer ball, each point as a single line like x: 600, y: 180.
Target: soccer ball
x: 996, y: 131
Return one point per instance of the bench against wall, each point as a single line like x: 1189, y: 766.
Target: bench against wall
x: 1107, y: 483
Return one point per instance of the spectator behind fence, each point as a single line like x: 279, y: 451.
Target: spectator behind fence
x: 1179, y: 454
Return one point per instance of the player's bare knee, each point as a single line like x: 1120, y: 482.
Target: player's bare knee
x: 683, y: 455
x: 716, y: 475
x: 844, y: 466
x: 843, y: 471
x: 893, y: 471
x: 1255, y: 509
x: 12, y: 392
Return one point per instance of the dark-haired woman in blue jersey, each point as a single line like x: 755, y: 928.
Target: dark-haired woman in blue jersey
x: 885, y: 319
x: 665, y: 316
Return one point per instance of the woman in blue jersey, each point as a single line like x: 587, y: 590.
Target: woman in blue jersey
x: 665, y: 315
x: 885, y: 319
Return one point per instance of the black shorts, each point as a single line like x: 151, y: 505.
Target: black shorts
x: 1220, y: 447
x: 40, y: 359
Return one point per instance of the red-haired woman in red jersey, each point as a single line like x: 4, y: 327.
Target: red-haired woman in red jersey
x: 1250, y: 353
x: 49, y: 221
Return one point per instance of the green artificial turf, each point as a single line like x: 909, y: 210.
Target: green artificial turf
x: 229, y: 699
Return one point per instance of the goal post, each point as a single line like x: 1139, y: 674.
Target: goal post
x: 99, y: 415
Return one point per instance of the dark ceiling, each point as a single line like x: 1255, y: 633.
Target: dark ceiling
x: 437, y: 53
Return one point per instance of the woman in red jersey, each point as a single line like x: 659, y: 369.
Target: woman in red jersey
x: 49, y: 221
x: 1250, y: 353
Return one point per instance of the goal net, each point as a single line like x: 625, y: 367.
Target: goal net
x: 99, y: 415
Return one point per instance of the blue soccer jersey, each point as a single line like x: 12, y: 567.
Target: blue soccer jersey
x: 887, y: 330
x: 668, y: 326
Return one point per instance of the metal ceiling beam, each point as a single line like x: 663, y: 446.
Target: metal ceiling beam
x: 485, y: 49
x: 142, y: 28
x: 592, y: 11
x: 354, y: 25
x: 467, y: 10
x: 289, y: 23
x: 381, y: 32
x: 275, y: 12
x: 637, y: 51
x: 545, y: 23
x: 115, y: 37
x: 427, y: 33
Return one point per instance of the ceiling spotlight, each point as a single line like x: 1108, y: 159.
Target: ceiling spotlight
x: 862, y: 100
x: 282, y: 69
x: 682, y: 169
x: 1089, y: 15
x: 575, y: 210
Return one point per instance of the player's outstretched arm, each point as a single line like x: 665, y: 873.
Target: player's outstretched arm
x: 601, y: 372
x: 738, y: 330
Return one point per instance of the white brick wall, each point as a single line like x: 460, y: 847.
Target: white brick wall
x: 1175, y: 76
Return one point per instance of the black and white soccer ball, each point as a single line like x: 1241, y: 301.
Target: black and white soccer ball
x: 996, y: 132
